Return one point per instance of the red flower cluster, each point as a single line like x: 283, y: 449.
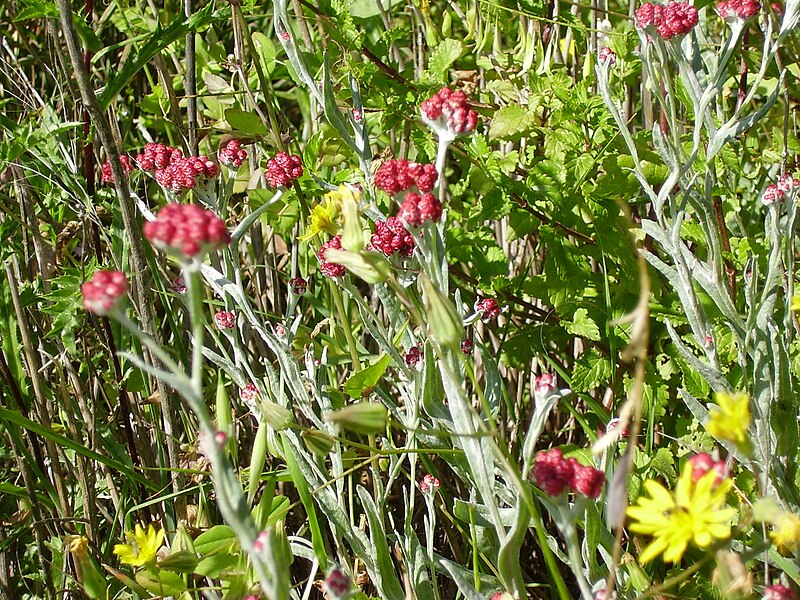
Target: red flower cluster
x: 779, y: 592
x: 489, y: 308
x: 232, y: 154
x: 282, y: 169
x: 330, y: 269
x: 429, y: 483
x: 103, y: 292
x: 418, y: 209
x: 413, y: 356
x: 186, y: 229
x: 670, y: 20
x: 107, y: 175
x: 249, y: 393
x: 298, y: 285
x: 225, y: 319
x: 449, y: 109
x: 337, y: 583
x: 607, y: 56
x: 182, y: 173
x: 466, y: 347
x: 702, y: 463
x: 157, y: 156
x: 398, y: 175
x: 554, y: 474
x: 544, y: 383
x: 738, y: 9
x: 391, y: 237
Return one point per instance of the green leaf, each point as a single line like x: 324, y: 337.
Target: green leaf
x: 266, y: 50
x: 590, y: 371
x: 510, y: 121
x: 245, y: 122
x: 161, y: 583
x: 366, y: 379
x: 582, y: 325
x: 219, y: 566
x: 158, y: 41
x: 216, y: 539
x: 445, y: 54
x: 182, y: 561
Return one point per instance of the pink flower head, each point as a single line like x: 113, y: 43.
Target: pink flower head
x: 613, y: 424
x: 107, y: 175
x: 429, y: 483
x: 398, y: 175
x: 448, y: 112
x: 249, y: 393
x: 298, y: 285
x: 184, y: 173
x: 327, y: 268
x: 358, y: 115
x: 220, y: 438
x: 587, y: 481
x: 772, y: 195
x: 225, y: 319
x: 418, y: 209
x: 670, y: 20
x: 337, y: 583
x: 497, y: 596
x: 738, y: 9
x: 544, y: 383
x: 282, y: 169
x: 104, y: 292
x: 187, y: 230
x: 489, y: 308
x: 232, y: 154
x: 157, y: 156
x: 551, y: 472
x: 466, y: 347
x: 702, y: 463
x: 779, y: 592
x: 391, y: 238
x: 285, y: 36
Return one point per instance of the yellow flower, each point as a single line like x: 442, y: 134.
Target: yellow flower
x: 325, y: 215
x: 786, y: 532
x: 696, y: 512
x: 141, y: 547
x: 76, y: 544
x: 730, y: 419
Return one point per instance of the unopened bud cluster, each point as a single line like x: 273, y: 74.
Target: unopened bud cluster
x: 225, y: 319
x: 282, y: 169
x: 326, y: 267
x: 107, y: 175
x: 399, y: 175
x: 232, y: 154
x: 607, y: 57
x: 413, y: 356
x: 104, y: 291
x: 418, y: 209
x: 488, y: 308
x: 298, y: 285
x: 429, y: 483
x: 337, y: 583
x: 449, y: 112
x: 668, y: 20
x: 391, y: 238
x: 738, y: 9
x: 186, y: 229
x: 554, y: 474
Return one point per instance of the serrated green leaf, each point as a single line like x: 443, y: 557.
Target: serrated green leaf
x: 591, y: 370
x: 582, y: 325
x: 445, y: 54
x: 510, y: 121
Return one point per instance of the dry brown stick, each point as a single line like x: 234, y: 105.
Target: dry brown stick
x: 142, y: 281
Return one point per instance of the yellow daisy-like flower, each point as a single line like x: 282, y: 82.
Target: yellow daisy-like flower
x: 141, y: 547
x: 325, y: 215
x: 730, y: 419
x: 786, y: 532
x: 696, y: 512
